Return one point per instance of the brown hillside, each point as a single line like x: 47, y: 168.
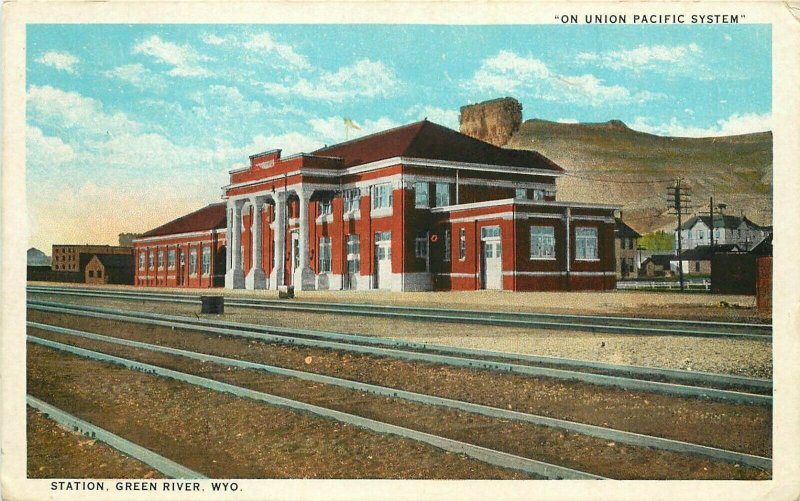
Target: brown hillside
x: 611, y: 163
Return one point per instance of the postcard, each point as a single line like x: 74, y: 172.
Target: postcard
x: 384, y: 250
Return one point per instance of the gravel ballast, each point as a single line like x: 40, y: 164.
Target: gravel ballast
x: 736, y: 427
x: 726, y: 356
x: 223, y: 436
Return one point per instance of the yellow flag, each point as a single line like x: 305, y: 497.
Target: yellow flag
x: 351, y: 124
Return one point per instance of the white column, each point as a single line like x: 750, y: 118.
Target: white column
x: 229, y: 238
x: 276, y: 279
x: 304, y: 278
x: 256, y: 278
x: 234, y: 276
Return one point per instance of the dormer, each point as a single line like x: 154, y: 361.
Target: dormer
x: 264, y: 160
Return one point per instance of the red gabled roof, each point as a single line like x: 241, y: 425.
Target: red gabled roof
x: 211, y: 217
x: 432, y: 141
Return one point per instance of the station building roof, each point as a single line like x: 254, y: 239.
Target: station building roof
x: 431, y: 141
x: 210, y: 217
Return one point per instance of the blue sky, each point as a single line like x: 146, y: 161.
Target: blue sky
x: 129, y: 126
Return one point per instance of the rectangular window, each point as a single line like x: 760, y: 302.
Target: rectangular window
x: 91, y: 274
x: 141, y: 261
x: 462, y: 244
x: 150, y: 260
x: 324, y: 255
x: 171, y: 259
x: 490, y: 232
x: 700, y: 234
x: 193, y: 262
x: 421, y: 198
x: 442, y: 194
x: 99, y: 273
x: 382, y: 196
x: 421, y: 247
x: 527, y: 194
x: 161, y: 260
x: 448, y: 245
x: 543, y: 242
x: 206, y: 260
x: 351, y: 199
x: 585, y: 243
x: 325, y: 207
x: 353, y: 254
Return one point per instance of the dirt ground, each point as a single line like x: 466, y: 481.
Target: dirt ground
x: 735, y: 427
x: 694, y: 306
x: 223, y: 436
x: 731, y: 356
x: 55, y: 452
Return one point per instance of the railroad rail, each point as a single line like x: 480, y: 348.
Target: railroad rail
x: 636, y: 379
x: 605, y: 433
x: 546, y: 321
x: 166, y: 466
x: 487, y: 455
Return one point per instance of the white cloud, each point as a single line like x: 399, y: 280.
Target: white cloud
x: 332, y: 129
x: 212, y: 39
x: 448, y: 118
x: 45, y: 152
x: 184, y: 59
x: 364, y: 78
x: 264, y: 43
x: 223, y: 101
x: 590, y: 89
x: 733, y: 125
x: 671, y: 60
x: 137, y: 75
x: 63, y: 61
x: 508, y: 73
x: 567, y: 120
x: 63, y: 109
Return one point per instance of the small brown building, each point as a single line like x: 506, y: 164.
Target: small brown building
x: 67, y: 257
x: 657, y: 265
x: 107, y: 268
x: 697, y: 261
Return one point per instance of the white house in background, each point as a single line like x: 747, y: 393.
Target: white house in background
x: 727, y: 230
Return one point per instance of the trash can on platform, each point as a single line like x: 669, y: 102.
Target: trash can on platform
x: 285, y: 291
x: 212, y: 304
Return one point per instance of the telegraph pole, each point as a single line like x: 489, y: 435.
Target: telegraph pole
x: 711, y: 208
x: 678, y: 198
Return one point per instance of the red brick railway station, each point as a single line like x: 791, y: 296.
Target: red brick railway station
x: 415, y: 208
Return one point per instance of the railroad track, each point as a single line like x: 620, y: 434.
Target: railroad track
x: 720, y: 387
x: 166, y: 466
x: 484, y: 454
x: 547, y: 321
x: 605, y: 433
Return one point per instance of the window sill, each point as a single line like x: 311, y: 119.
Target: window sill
x: 543, y: 259
x: 590, y: 260
x: 327, y: 218
x: 381, y: 212
x: 353, y: 214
